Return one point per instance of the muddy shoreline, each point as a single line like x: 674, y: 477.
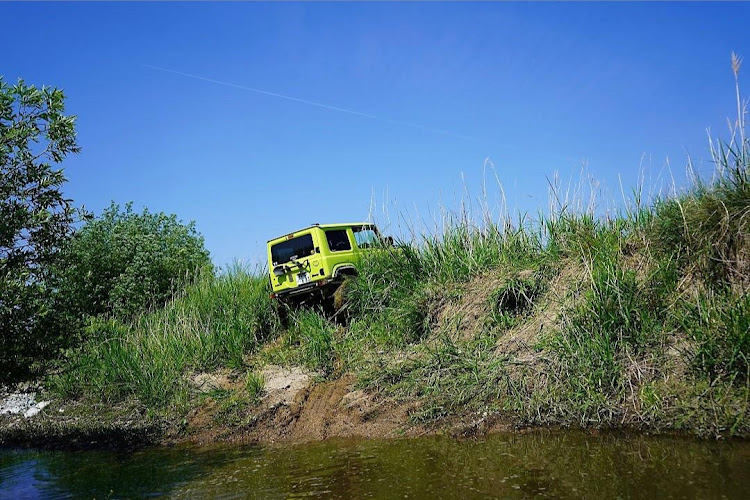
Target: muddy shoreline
x: 295, y: 408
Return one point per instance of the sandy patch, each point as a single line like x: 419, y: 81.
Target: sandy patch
x: 283, y: 385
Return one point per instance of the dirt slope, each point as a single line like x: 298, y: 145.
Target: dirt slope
x: 296, y: 408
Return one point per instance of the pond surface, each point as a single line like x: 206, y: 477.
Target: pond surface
x: 538, y: 464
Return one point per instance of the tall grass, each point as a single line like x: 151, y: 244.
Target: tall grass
x: 398, y: 288
x: 655, y: 289
x: 309, y: 342
x: 709, y: 226
x: 215, y: 322
x: 657, y: 280
x: 719, y: 324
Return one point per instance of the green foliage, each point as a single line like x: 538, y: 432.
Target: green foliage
x: 310, y: 341
x: 619, y: 318
x: 314, y: 335
x: 123, y: 262
x: 35, y: 222
x: 585, y: 237
x: 212, y: 323
x: 446, y: 375
x: 708, y: 229
x: 397, y: 288
x: 254, y: 383
x: 719, y: 324
x: 516, y: 298
x: 465, y: 250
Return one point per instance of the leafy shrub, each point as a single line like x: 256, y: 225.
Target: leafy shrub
x: 123, y: 262
x: 215, y: 321
x: 35, y: 222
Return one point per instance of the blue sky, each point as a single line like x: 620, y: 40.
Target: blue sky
x: 434, y: 90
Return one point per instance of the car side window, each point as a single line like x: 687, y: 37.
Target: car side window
x: 365, y: 237
x: 338, y: 241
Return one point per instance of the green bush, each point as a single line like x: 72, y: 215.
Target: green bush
x: 35, y: 222
x: 123, y: 262
x: 214, y: 322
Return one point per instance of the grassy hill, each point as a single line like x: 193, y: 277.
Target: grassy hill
x: 640, y: 320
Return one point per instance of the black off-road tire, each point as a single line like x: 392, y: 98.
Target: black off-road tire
x: 340, y: 300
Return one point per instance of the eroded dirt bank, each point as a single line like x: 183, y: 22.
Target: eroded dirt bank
x: 486, y: 366
x: 295, y: 406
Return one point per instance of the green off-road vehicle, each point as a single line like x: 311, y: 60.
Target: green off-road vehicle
x: 312, y: 263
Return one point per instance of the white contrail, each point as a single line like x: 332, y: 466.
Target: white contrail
x: 317, y: 104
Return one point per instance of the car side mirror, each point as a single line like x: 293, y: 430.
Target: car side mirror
x: 388, y: 241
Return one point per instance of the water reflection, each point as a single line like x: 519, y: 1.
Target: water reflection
x: 547, y: 465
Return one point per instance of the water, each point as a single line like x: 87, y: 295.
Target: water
x: 540, y: 464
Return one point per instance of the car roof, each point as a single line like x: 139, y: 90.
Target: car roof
x: 324, y: 226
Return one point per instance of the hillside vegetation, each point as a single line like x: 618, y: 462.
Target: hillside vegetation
x: 640, y: 320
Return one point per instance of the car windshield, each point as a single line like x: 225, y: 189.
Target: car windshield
x: 366, y: 236
x: 283, y: 252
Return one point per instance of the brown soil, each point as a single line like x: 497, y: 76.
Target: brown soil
x: 333, y: 409
x: 295, y: 408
